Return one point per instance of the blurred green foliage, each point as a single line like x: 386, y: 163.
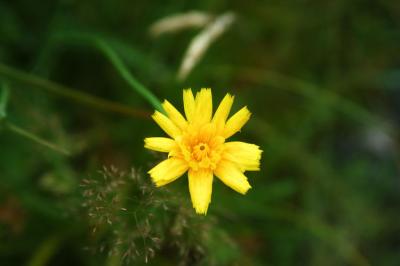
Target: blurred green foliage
x: 322, y: 80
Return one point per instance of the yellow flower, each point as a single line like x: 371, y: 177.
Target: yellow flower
x: 198, y: 145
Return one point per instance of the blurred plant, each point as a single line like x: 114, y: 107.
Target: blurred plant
x: 111, y: 211
x: 131, y: 221
x: 4, y: 95
x: 4, y: 98
x: 200, y: 240
x: 35, y: 82
x: 200, y: 43
x: 179, y: 22
x: 213, y: 29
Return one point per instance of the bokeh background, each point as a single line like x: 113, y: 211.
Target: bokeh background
x: 322, y: 80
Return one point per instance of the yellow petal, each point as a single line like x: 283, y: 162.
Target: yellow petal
x: 200, y: 188
x: 189, y: 104
x: 166, y: 124
x: 247, y: 156
x: 203, y: 111
x: 167, y: 171
x: 175, y: 116
x: 236, y: 122
x: 230, y: 174
x: 206, y: 132
x: 222, y: 112
x: 159, y: 144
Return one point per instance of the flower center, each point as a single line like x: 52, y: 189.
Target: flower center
x: 201, y: 148
x: 200, y: 151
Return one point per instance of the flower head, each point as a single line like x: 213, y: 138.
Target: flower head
x: 197, y: 145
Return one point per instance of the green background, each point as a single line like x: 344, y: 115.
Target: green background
x: 321, y: 78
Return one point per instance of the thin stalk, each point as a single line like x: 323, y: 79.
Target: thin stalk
x: 129, y: 78
x: 4, y: 96
x: 22, y: 132
x: 14, y: 75
x: 45, y: 251
x: 116, y: 61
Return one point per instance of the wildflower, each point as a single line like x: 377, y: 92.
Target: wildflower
x: 197, y: 145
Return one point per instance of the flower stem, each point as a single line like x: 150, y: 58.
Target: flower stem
x: 22, y: 132
x: 18, y: 76
x: 129, y: 78
x: 4, y: 95
x: 109, y: 52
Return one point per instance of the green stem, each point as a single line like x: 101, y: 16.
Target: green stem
x: 112, y: 56
x: 3, y: 101
x: 131, y: 80
x: 28, y: 79
x: 45, y: 251
x: 30, y: 136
